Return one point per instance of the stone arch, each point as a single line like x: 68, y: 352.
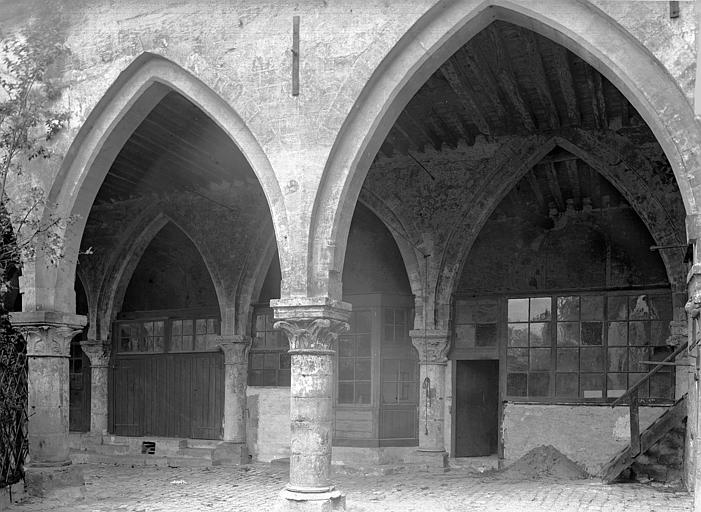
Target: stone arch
x: 126, y: 103
x: 124, y: 263
x: 437, y: 35
x: 507, y: 175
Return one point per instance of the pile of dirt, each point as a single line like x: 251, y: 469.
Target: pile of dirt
x: 544, y: 463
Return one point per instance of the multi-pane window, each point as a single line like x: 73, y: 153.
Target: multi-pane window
x: 354, y: 360
x: 399, y: 377
x: 269, y: 360
x: 587, y: 346
x: 395, y: 326
x: 167, y: 335
x: 475, y: 323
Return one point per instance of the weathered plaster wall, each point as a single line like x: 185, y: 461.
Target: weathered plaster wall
x: 589, y: 435
x: 268, y: 427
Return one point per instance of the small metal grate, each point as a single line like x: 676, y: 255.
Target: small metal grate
x: 148, y: 447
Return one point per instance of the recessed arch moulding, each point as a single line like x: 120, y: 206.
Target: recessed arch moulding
x: 128, y: 101
x: 610, y: 49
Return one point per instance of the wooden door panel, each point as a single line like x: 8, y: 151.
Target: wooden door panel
x: 477, y: 405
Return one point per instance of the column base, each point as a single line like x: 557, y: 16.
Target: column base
x: 63, y: 481
x: 331, y: 501
x: 428, y: 459
x: 228, y: 454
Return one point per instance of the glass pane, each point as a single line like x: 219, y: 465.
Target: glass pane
x: 592, y: 333
x: 345, y: 368
x: 363, y: 322
x: 159, y: 328
x: 591, y: 385
x: 408, y: 370
x: 638, y: 333
x: 591, y: 359
x: 662, y: 386
x: 538, y: 384
x: 618, y: 308
x: 639, y: 308
x: 517, y: 359
x: 540, y: 335
x: 618, y: 333
x: 187, y: 342
x: 540, y: 359
x: 487, y: 311
x: 158, y: 343
x: 486, y: 335
x: 518, y: 335
x: 176, y: 327
x: 408, y: 391
x: 567, y: 385
x: 592, y: 307
x: 345, y: 392
x: 540, y: 309
x: 284, y: 361
x: 568, y: 333
x: 363, y: 345
x: 659, y: 332
x: 465, y: 311
x: 260, y: 323
x: 465, y: 336
x: 660, y: 354
x: 636, y: 356
x: 567, y: 360
x: 568, y: 308
x: 388, y: 336
x: 257, y: 360
x: 271, y: 361
x: 633, y: 378
x: 390, y: 370
x: 283, y: 378
x: 362, y: 392
x: 389, y: 392
x: 212, y: 326
x: 201, y: 326
x: 516, y: 384
x: 362, y: 369
x: 399, y: 317
x: 618, y: 359
x: 616, y: 384
x: 187, y: 327
x: 346, y: 346
x: 518, y: 310
x: 661, y: 305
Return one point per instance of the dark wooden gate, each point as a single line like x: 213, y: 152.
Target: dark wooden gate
x: 477, y: 406
x: 169, y: 395
x: 79, y: 398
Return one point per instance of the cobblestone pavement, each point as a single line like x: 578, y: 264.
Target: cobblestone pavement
x: 255, y: 488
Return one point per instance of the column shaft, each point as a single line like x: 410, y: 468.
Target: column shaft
x: 235, y: 348
x: 99, y: 354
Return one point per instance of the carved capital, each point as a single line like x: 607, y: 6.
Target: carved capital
x: 312, y: 334
x: 97, y: 351
x: 431, y: 344
x: 49, y: 340
x: 235, y: 348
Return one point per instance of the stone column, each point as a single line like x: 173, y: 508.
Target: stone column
x: 48, y: 335
x: 234, y: 448
x: 99, y: 354
x: 432, y: 346
x: 312, y: 330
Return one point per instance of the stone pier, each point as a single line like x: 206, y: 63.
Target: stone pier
x: 48, y: 335
x: 432, y: 346
x: 234, y: 449
x: 98, y: 353
x: 312, y: 330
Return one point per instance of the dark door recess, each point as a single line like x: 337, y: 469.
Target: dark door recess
x: 476, y: 408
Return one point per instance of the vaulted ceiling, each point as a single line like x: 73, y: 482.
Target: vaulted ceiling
x: 177, y: 147
x: 507, y: 80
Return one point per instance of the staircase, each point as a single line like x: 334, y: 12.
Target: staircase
x: 640, y: 443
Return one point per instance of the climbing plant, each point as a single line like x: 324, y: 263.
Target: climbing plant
x: 29, y: 120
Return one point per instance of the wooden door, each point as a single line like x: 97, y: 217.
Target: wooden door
x: 477, y: 406
x: 79, y: 398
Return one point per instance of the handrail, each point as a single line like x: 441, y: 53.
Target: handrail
x: 649, y: 374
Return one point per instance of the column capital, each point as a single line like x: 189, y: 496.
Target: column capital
x: 431, y: 344
x: 98, y: 351
x: 48, y: 333
x: 312, y: 334
x: 235, y: 348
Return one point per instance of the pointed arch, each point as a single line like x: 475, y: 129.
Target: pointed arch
x: 126, y: 103
x: 502, y: 180
x: 124, y: 262
x: 438, y: 34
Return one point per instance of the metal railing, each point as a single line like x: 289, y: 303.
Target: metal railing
x: 14, y: 445
x: 633, y: 400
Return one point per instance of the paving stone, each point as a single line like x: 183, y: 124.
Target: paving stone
x: 256, y: 487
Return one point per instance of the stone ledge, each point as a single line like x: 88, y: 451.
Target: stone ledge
x: 51, y: 481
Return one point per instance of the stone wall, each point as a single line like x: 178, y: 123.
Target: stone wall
x: 268, y: 427
x: 588, y: 434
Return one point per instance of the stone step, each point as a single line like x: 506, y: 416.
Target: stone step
x: 201, y: 453
x: 93, y: 457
